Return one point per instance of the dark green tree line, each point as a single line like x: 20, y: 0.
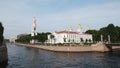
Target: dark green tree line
x: 41, y: 37
x: 24, y: 39
x: 113, y: 31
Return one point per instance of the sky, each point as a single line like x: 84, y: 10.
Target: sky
x: 57, y: 15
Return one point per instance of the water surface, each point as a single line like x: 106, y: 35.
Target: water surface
x: 24, y: 57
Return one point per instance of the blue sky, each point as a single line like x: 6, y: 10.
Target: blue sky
x: 55, y: 15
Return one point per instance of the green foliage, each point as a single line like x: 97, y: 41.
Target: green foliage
x: 111, y: 30
x: 81, y: 40
x: 24, y: 39
x: 1, y: 33
x: 41, y: 37
x: 95, y: 33
x: 51, y: 36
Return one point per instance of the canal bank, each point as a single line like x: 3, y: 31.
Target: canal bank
x: 99, y: 47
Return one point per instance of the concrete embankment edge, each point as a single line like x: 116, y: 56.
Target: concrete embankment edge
x: 68, y: 48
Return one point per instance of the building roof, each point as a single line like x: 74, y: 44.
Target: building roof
x: 67, y: 32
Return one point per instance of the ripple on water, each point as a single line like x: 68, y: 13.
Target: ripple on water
x: 23, y: 57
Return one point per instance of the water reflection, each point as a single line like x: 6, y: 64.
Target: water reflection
x: 23, y: 57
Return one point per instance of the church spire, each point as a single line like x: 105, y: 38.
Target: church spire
x: 79, y: 28
x: 34, y: 23
x: 34, y: 27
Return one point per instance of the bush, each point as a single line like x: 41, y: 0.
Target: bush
x: 1, y: 33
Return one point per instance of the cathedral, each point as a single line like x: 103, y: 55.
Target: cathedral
x: 66, y: 36
x: 70, y: 36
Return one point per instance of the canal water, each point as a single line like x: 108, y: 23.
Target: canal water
x: 24, y: 57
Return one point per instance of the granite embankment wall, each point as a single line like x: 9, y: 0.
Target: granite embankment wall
x: 100, y: 47
x: 60, y: 48
x: 3, y: 54
x: 116, y: 47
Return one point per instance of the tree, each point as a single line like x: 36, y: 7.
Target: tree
x: 81, y: 40
x: 1, y: 33
x: 111, y: 30
x: 90, y: 40
x: 86, y: 41
x: 24, y: 39
x: 118, y: 29
x: 40, y: 37
x: 95, y: 33
x: 64, y: 40
x: 52, y: 37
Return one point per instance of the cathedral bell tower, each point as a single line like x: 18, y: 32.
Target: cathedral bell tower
x: 34, y: 26
x: 34, y: 33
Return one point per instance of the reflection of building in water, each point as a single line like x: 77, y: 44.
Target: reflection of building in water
x: 70, y: 36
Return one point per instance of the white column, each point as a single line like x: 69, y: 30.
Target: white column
x: 101, y: 38
x: 109, y: 39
